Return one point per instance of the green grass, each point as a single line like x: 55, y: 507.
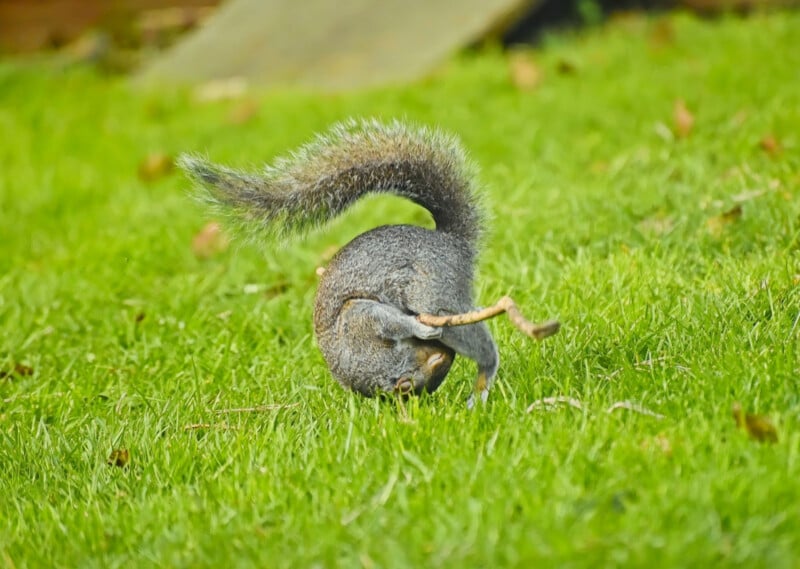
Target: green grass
x: 601, y: 220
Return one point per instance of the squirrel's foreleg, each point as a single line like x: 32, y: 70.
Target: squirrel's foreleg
x: 475, y: 342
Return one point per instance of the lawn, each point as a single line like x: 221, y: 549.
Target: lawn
x: 667, y: 248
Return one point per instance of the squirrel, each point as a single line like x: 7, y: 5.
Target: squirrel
x: 370, y: 294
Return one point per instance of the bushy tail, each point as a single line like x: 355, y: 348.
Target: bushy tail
x: 323, y: 178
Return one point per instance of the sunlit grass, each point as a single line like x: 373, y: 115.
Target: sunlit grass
x: 603, y: 218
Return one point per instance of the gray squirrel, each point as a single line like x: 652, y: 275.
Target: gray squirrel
x: 369, y: 296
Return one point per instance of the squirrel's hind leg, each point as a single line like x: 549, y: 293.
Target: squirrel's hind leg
x: 410, y: 359
x: 393, y: 323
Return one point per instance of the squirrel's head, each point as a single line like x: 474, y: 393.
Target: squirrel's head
x: 404, y: 367
x: 427, y: 365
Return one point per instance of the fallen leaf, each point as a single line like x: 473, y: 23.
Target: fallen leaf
x: 662, y: 33
x: 683, y: 119
x: 119, y: 457
x: 20, y: 370
x: 155, y: 166
x: 209, y: 241
x: 23, y: 370
x: 771, y: 145
x: 717, y: 224
x: 276, y: 289
x: 566, y: 67
x: 243, y: 112
x: 525, y: 74
x: 758, y: 427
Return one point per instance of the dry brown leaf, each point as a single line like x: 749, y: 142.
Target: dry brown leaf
x: 566, y: 67
x: 758, y: 427
x: 771, y: 145
x: 23, y: 370
x: 120, y: 458
x: 662, y: 34
x: 683, y: 119
x: 155, y: 166
x: 276, y: 289
x: 717, y: 224
x: 525, y: 74
x: 20, y: 370
x: 209, y: 241
x: 243, y: 112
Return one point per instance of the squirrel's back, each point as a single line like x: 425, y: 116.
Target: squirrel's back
x: 412, y: 268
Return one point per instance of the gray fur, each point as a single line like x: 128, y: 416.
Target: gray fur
x: 369, y: 295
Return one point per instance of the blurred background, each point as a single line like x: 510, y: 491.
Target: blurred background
x: 327, y: 45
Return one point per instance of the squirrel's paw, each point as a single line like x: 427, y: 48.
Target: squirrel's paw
x: 424, y: 332
x: 482, y: 395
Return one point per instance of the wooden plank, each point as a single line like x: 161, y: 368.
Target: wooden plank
x: 331, y: 45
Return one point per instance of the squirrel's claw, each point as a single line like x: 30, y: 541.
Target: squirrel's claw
x: 481, y: 390
x: 482, y: 395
